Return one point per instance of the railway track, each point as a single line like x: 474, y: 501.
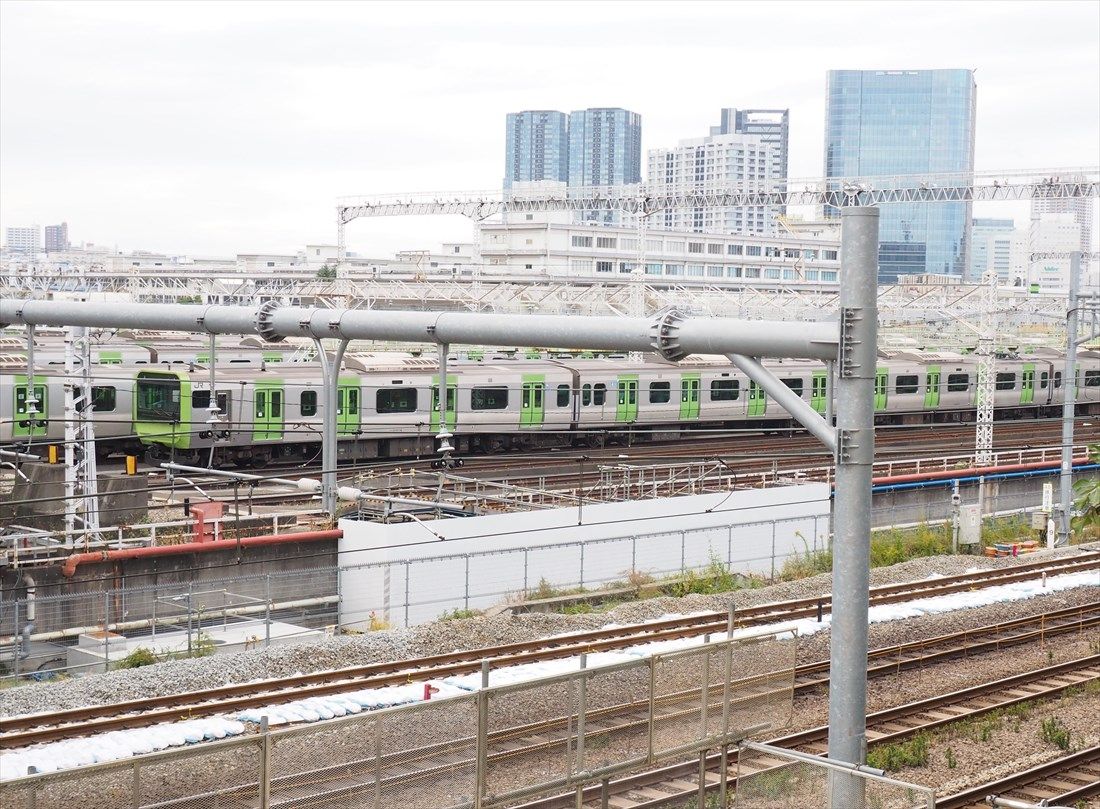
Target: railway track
x: 25, y: 730
x: 678, y: 784
x: 429, y: 774
x: 1062, y: 782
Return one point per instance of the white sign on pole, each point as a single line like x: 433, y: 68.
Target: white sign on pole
x: 1048, y: 497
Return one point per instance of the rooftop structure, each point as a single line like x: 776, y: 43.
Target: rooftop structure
x: 773, y: 127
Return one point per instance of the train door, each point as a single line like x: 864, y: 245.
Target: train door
x: 452, y: 401
x: 932, y: 388
x: 882, y: 385
x: 1027, y: 384
x: 24, y: 425
x: 689, y: 397
x: 348, y: 407
x: 819, y: 390
x: 627, y: 409
x: 532, y: 401
x: 268, y: 411
x: 758, y: 400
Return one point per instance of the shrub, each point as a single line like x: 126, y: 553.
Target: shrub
x: 1054, y: 731
x: 909, y: 753
x: 138, y: 658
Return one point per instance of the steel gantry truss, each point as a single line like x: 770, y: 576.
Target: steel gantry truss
x: 640, y: 200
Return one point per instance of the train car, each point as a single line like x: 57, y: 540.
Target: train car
x: 387, y: 403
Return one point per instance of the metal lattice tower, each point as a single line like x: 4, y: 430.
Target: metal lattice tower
x: 987, y: 359
x: 81, y: 487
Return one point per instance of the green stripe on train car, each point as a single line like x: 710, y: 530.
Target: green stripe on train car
x: 626, y: 407
x: 24, y: 426
x: 1027, y: 384
x: 268, y: 410
x: 932, y: 387
x: 689, y: 396
x: 162, y: 408
x: 819, y: 390
x: 452, y: 402
x: 532, y: 412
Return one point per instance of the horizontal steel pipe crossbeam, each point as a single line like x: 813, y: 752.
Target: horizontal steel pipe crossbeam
x: 672, y: 336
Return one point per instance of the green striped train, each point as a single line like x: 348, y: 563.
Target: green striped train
x: 387, y: 403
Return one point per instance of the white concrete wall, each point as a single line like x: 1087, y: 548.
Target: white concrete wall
x: 404, y: 574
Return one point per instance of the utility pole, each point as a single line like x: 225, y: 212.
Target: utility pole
x: 855, y: 425
x: 1069, y: 402
x: 985, y: 390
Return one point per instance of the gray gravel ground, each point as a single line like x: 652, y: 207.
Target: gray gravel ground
x: 445, y: 636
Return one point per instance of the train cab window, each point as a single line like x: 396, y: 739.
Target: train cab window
x: 1044, y: 379
x: 495, y: 398
x: 599, y: 394
x: 1057, y: 379
x: 397, y: 400
x: 563, y: 395
x: 200, y: 400
x: 906, y: 383
x: 307, y: 403
x: 158, y: 398
x: 794, y: 384
x: 586, y: 395
x: 725, y: 390
x: 660, y: 392
x: 1006, y: 381
x: 958, y: 383
x: 1092, y: 379
x: 103, y: 398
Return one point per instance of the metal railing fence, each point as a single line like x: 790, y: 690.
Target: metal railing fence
x: 479, y: 750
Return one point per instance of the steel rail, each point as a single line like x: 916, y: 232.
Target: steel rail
x: 1050, y: 779
x: 20, y: 731
x: 983, y: 698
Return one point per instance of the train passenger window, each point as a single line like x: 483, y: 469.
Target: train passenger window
x: 276, y: 404
x: 103, y: 399
x: 399, y: 400
x: 353, y: 401
x: 563, y: 395
x: 489, y: 398
x: 307, y: 402
x: 1057, y: 379
x: 958, y: 383
x: 906, y: 383
x: 1006, y: 381
x: 725, y: 390
x: 599, y: 394
x: 1092, y: 379
x: 794, y: 384
x: 1044, y: 379
x: 586, y: 395
x: 660, y: 392
x: 223, y: 403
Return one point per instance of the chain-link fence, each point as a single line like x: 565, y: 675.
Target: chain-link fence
x: 482, y: 749
x: 180, y: 617
x: 773, y: 778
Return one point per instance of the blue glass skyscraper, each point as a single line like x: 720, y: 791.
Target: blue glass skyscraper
x: 902, y: 122
x: 537, y: 147
x: 605, y: 147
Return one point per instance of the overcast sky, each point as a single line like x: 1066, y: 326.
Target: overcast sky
x: 215, y: 128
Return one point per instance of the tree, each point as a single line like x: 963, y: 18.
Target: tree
x: 1088, y: 498
x: 326, y: 271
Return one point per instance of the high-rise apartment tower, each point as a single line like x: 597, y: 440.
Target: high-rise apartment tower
x: 536, y: 147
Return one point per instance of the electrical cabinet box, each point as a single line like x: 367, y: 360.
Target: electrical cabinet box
x: 970, y: 524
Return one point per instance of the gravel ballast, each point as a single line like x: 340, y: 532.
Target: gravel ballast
x: 447, y: 636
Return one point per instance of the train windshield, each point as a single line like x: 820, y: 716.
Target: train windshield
x: 158, y: 398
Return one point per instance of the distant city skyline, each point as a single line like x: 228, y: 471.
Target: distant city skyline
x: 241, y: 129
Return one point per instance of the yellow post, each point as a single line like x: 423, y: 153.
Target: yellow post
x: 131, y: 464
x: 52, y: 453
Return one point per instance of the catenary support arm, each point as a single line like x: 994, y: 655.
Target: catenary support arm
x: 787, y: 398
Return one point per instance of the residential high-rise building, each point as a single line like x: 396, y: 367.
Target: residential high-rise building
x: 715, y: 163
x: 1082, y: 209
x: 24, y: 239
x: 906, y: 122
x: 773, y: 127
x: 996, y: 244
x: 57, y: 237
x: 537, y: 147
x: 605, y: 147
